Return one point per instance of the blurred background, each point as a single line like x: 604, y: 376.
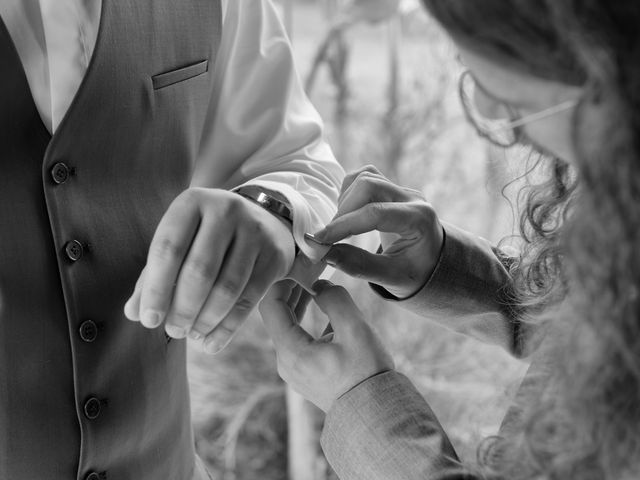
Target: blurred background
x: 384, y: 79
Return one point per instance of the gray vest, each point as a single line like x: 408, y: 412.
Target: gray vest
x: 85, y: 393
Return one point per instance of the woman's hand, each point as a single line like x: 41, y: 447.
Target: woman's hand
x: 323, y: 369
x: 410, y: 233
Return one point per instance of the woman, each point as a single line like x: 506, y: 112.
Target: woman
x: 561, y: 76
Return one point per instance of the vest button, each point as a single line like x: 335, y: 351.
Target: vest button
x: 60, y: 173
x: 88, y: 331
x: 92, y: 476
x: 74, y: 250
x: 92, y: 408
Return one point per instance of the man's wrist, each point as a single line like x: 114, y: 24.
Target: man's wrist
x: 274, y: 202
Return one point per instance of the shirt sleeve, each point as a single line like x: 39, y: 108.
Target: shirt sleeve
x: 383, y: 429
x: 471, y: 291
x: 261, y: 129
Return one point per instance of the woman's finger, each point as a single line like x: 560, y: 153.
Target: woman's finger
x: 369, y: 188
x: 281, y: 323
x: 300, y: 307
x: 391, y: 217
x: 371, y: 267
x: 336, y: 303
x: 350, y: 177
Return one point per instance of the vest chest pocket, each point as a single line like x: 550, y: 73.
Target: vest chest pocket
x: 163, y: 80
x: 179, y: 101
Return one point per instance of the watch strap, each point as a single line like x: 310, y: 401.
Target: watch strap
x: 268, y: 200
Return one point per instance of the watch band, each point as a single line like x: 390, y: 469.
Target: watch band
x: 267, y: 200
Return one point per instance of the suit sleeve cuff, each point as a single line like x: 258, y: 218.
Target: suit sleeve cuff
x: 384, y: 429
x: 471, y: 292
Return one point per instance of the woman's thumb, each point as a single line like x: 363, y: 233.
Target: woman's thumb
x: 336, y: 303
x: 359, y: 263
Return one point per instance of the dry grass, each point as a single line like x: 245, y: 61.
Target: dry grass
x: 238, y: 401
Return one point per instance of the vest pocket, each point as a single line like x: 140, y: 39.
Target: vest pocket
x: 179, y: 75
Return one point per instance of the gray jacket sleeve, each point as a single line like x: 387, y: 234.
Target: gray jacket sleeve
x: 471, y: 292
x: 383, y: 429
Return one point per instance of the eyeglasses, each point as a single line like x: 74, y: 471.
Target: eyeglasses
x: 504, y: 131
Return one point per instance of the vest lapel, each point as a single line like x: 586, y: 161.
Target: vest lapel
x: 15, y: 95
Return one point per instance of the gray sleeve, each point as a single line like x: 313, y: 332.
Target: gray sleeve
x: 383, y: 429
x: 471, y: 292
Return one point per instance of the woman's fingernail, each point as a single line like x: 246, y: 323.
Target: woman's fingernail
x: 151, y: 318
x: 175, y: 332
x: 330, y: 261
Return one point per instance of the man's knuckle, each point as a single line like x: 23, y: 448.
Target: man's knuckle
x: 189, y: 198
x: 156, y: 292
x: 228, y: 287
x: 374, y: 210
x: 235, y: 206
x: 257, y: 232
x: 200, y: 269
x: 182, y: 315
x: 226, y: 329
x: 166, y: 248
x: 244, y: 305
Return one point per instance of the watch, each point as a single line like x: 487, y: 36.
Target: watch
x: 275, y: 202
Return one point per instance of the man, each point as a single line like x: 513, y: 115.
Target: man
x: 154, y: 136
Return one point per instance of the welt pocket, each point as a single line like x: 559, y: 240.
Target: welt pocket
x: 179, y: 74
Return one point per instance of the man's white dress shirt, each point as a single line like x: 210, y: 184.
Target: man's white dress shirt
x: 55, y: 40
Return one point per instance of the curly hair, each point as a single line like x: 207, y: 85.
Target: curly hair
x: 582, y: 232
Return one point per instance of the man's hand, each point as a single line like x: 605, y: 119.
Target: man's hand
x: 211, y: 260
x: 410, y: 233
x: 323, y: 369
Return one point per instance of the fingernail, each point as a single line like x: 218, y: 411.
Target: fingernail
x: 151, y: 318
x: 175, y: 332
x: 330, y: 261
x: 193, y: 335
x: 320, y: 234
